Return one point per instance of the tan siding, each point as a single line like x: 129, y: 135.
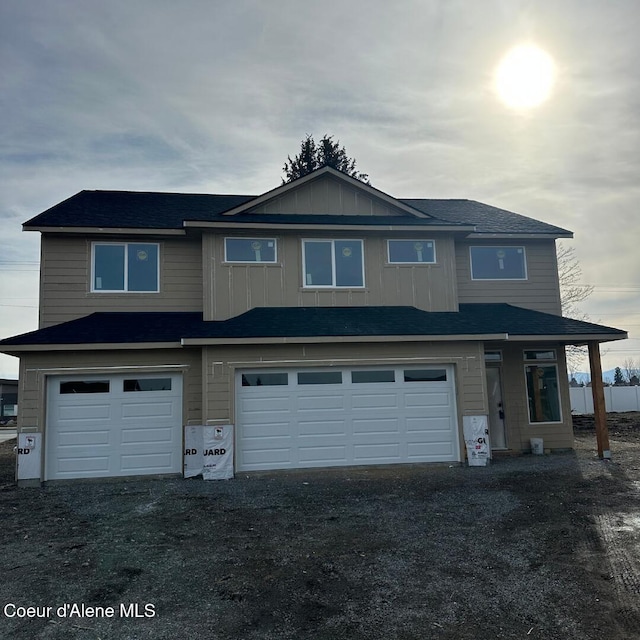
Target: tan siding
x: 220, y: 364
x: 519, y: 430
x: 328, y: 196
x: 236, y: 288
x: 540, y: 291
x: 35, y: 366
x: 65, y: 290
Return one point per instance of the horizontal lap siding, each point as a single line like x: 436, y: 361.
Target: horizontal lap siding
x: 34, y: 365
x: 65, y: 290
x: 539, y: 292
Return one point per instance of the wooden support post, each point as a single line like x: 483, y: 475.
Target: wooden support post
x: 599, y: 409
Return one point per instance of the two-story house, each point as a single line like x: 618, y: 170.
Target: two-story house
x: 330, y: 323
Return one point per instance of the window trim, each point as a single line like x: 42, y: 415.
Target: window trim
x: 544, y: 363
x: 498, y: 246
x: 433, y: 242
x: 96, y: 243
x: 252, y: 238
x: 333, y: 264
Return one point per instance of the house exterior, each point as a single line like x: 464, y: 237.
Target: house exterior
x: 8, y: 401
x: 329, y: 322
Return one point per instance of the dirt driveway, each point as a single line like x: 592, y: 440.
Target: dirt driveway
x: 531, y: 547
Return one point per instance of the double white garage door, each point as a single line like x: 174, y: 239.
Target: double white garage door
x: 346, y: 416
x: 115, y: 425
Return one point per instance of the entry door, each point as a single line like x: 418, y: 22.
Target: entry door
x: 497, y: 433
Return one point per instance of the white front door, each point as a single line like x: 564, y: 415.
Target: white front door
x: 345, y: 416
x: 113, y: 425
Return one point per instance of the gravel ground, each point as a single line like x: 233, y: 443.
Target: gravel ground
x: 529, y: 547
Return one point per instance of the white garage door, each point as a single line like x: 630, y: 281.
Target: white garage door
x: 349, y: 416
x: 113, y: 425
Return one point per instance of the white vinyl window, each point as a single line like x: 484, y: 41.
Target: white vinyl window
x: 543, y: 393
x: 333, y: 263
x: 250, y: 250
x: 125, y: 267
x: 498, y: 263
x: 411, y: 251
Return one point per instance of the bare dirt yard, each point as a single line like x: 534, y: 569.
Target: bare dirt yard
x: 530, y: 547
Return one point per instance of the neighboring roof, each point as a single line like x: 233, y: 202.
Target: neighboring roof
x: 502, y: 321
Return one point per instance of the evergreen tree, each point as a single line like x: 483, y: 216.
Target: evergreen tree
x: 618, y: 378
x: 326, y: 153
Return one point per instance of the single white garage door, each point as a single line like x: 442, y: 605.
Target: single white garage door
x: 347, y: 416
x: 113, y: 425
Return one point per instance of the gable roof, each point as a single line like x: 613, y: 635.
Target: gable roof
x: 485, y: 321
x: 172, y: 212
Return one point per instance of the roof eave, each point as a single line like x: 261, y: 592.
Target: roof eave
x: 521, y: 236
x: 334, y: 226
x: 573, y: 339
x: 87, y: 346
x: 108, y: 230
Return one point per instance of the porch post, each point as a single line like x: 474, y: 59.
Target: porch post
x: 599, y: 409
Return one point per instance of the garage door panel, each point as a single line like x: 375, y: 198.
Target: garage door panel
x: 74, y: 438
x: 84, y: 412
x: 268, y: 430
x: 322, y: 402
x: 136, y: 463
x: 263, y: 404
x: 382, y: 424
x: 150, y: 435
x: 265, y: 459
x: 436, y: 451
x: 82, y: 466
x: 429, y: 424
x: 373, y: 453
x: 428, y: 400
x: 148, y: 410
x: 320, y: 428
x: 373, y: 401
x: 322, y: 455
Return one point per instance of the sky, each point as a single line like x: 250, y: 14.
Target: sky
x: 211, y: 96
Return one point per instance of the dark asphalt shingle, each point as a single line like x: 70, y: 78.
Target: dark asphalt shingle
x: 301, y: 322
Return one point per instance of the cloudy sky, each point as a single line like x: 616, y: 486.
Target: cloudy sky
x: 212, y: 95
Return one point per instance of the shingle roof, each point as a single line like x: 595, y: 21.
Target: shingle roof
x: 301, y: 322
x: 147, y: 210
x: 486, y: 218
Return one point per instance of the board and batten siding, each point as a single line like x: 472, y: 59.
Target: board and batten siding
x: 327, y: 196
x: 221, y: 362
x: 541, y: 290
x: 35, y: 367
x: 65, y: 279
x: 232, y: 289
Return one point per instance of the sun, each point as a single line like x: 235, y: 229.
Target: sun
x: 525, y: 77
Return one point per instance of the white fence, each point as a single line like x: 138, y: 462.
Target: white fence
x: 615, y: 399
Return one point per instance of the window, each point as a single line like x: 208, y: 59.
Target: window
x: 147, y: 384
x: 84, y: 386
x: 498, y: 263
x: 547, y: 354
x: 411, y: 251
x: 320, y: 377
x: 372, y: 376
x: 264, y: 379
x: 493, y: 356
x: 125, y: 267
x: 543, y: 393
x: 425, y: 375
x: 333, y: 263
x: 249, y: 249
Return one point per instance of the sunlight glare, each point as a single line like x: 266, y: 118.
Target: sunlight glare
x: 525, y: 77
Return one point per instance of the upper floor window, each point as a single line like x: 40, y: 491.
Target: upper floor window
x: 125, y: 266
x: 250, y: 250
x: 411, y: 251
x: 498, y: 263
x: 333, y: 263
